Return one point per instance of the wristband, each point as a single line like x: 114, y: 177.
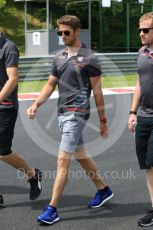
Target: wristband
x: 133, y: 112
x: 103, y: 120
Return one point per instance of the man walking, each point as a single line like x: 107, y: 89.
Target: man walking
x: 141, y: 113
x: 9, y: 57
x: 77, y: 71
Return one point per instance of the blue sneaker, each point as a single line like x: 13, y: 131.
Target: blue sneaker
x: 49, y: 215
x: 100, y: 198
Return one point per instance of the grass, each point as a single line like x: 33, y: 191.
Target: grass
x: 119, y: 81
x: 107, y: 82
x: 31, y: 86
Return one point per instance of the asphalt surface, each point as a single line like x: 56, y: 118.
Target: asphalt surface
x: 38, y: 142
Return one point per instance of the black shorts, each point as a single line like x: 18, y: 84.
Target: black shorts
x: 144, y: 142
x: 8, y: 118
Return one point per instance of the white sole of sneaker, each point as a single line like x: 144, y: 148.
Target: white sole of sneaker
x: 145, y: 225
x: 46, y: 222
x: 98, y: 206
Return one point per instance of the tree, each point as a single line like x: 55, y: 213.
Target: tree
x: 2, y: 3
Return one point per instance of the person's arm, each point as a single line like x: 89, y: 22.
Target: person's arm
x: 45, y: 93
x: 11, y: 83
x: 134, y: 106
x: 99, y: 100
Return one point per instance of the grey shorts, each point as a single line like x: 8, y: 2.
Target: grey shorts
x: 71, y: 127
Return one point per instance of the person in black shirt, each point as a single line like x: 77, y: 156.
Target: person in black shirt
x: 9, y: 57
x: 76, y: 71
x: 141, y: 114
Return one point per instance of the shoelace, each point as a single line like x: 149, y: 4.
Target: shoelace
x: 48, y: 211
x: 97, y: 196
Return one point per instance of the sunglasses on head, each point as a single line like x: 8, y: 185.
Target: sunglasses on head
x: 66, y: 33
x: 145, y: 30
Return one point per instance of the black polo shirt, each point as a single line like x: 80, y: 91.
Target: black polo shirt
x: 9, y: 57
x: 74, y: 79
x: 145, y: 71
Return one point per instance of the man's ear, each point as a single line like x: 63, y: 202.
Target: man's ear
x: 78, y: 31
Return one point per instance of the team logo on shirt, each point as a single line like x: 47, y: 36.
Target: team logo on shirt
x: 79, y: 62
x: 80, y: 59
x: 62, y: 56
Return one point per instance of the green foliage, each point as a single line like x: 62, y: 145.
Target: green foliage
x: 114, y: 24
x: 12, y: 22
x: 2, y: 3
x: 117, y: 8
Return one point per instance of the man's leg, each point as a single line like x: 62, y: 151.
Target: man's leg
x: 50, y: 215
x: 149, y: 161
x: 103, y: 193
x: 149, y: 178
x: 8, y: 120
x: 144, y: 146
x: 34, y: 175
x: 18, y: 162
x: 147, y: 220
x: 7, y: 124
x: 61, y: 177
x: 89, y: 165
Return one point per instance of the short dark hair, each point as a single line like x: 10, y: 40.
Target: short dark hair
x: 69, y: 20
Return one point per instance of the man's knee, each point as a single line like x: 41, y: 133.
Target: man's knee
x: 63, y: 159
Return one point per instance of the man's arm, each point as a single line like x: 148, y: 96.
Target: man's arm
x: 134, y: 106
x: 99, y: 100
x: 10, y: 84
x: 45, y: 93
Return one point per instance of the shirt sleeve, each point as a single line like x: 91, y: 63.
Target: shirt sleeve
x: 54, y: 68
x: 93, y: 66
x: 11, y: 56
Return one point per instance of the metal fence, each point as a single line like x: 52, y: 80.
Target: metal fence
x: 38, y: 68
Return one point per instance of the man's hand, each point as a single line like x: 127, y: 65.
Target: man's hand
x: 32, y: 110
x: 103, y: 130
x: 132, y: 122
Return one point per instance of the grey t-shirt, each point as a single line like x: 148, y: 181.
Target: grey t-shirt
x: 145, y: 71
x: 73, y: 76
x: 9, y: 57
